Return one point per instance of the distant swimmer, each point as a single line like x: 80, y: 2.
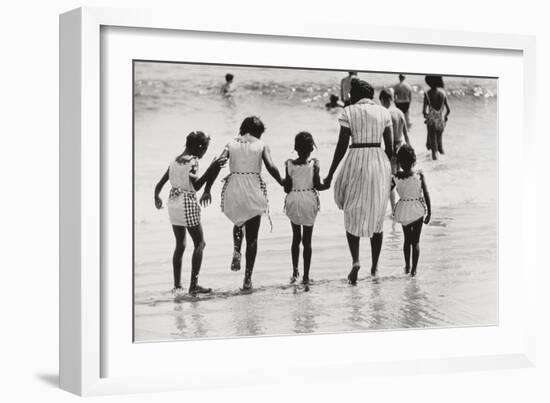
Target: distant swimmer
x: 228, y: 88
x: 334, y: 102
x: 345, y: 87
x: 403, y: 96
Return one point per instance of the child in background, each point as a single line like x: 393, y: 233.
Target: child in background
x: 414, y: 202
x: 228, y: 88
x: 244, y: 193
x: 302, y: 201
x: 183, y: 208
x: 400, y: 131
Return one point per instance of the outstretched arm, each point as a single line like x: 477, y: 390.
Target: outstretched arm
x: 339, y: 152
x: 406, y: 132
x: 426, y: 198
x: 424, y: 106
x: 317, y: 177
x: 158, y: 188
x: 288, y: 180
x: 206, y: 197
x: 388, y: 141
x: 210, y: 174
x: 270, y: 166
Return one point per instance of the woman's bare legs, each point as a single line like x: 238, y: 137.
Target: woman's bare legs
x: 353, y: 244
x: 375, y: 247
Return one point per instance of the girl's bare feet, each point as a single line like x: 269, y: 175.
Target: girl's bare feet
x: 236, y: 261
x: 407, y: 269
x: 247, y: 284
x: 413, y: 272
x: 295, y: 276
x: 199, y: 290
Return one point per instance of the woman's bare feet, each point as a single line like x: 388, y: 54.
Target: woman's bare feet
x: 236, y: 261
x: 352, y: 276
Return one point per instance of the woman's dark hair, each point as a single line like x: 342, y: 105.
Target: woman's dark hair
x: 197, y: 142
x: 360, y: 89
x: 304, y: 143
x: 406, y: 157
x: 434, y: 81
x: 253, y: 126
x: 385, y: 95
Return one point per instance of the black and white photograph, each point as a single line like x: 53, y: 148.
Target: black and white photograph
x: 275, y: 201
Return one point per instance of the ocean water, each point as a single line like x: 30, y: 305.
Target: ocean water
x: 457, y: 276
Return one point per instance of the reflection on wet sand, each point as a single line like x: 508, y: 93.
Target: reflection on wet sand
x: 304, y: 313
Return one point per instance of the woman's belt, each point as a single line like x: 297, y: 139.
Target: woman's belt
x: 364, y: 145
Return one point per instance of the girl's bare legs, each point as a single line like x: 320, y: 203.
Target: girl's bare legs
x: 252, y: 227
x: 306, y: 240
x: 416, y: 230
x: 353, y: 244
x: 407, y: 247
x: 295, y: 250
x: 237, y: 243
x: 179, y: 233
x: 375, y: 247
x: 196, y: 261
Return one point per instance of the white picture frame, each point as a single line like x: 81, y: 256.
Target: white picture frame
x: 82, y: 248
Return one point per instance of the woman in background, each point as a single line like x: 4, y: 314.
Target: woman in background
x: 435, y: 101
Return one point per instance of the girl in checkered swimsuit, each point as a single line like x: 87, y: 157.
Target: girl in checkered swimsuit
x: 414, y: 206
x: 183, y: 209
x: 302, y: 184
x: 244, y: 193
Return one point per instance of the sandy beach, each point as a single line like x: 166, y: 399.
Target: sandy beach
x: 457, y: 275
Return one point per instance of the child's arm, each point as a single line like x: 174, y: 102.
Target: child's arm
x: 206, y: 197
x: 158, y: 188
x: 288, y: 179
x: 270, y: 166
x: 317, y: 177
x: 388, y: 141
x: 426, y: 198
x: 448, y: 109
x: 339, y: 152
x: 209, y: 175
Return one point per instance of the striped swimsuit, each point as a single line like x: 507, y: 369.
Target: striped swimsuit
x: 362, y: 188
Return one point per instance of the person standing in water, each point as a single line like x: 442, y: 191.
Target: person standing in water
x: 403, y: 97
x: 362, y: 188
x: 228, y: 88
x: 244, y: 193
x: 435, y: 102
x: 400, y: 132
x: 345, y: 87
x: 302, y: 184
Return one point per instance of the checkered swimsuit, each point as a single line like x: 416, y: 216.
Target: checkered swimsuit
x: 191, y: 208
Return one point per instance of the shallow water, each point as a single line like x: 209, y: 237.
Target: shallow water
x: 457, y: 276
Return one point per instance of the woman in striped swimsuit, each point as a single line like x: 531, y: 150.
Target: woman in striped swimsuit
x: 362, y: 188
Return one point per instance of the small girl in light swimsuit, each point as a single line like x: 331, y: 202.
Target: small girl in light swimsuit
x: 414, y: 202
x: 302, y: 184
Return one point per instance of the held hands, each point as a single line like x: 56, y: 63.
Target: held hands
x: 219, y: 162
x: 158, y: 202
x: 328, y: 180
x: 206, y: 199
x: 427, y: 218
